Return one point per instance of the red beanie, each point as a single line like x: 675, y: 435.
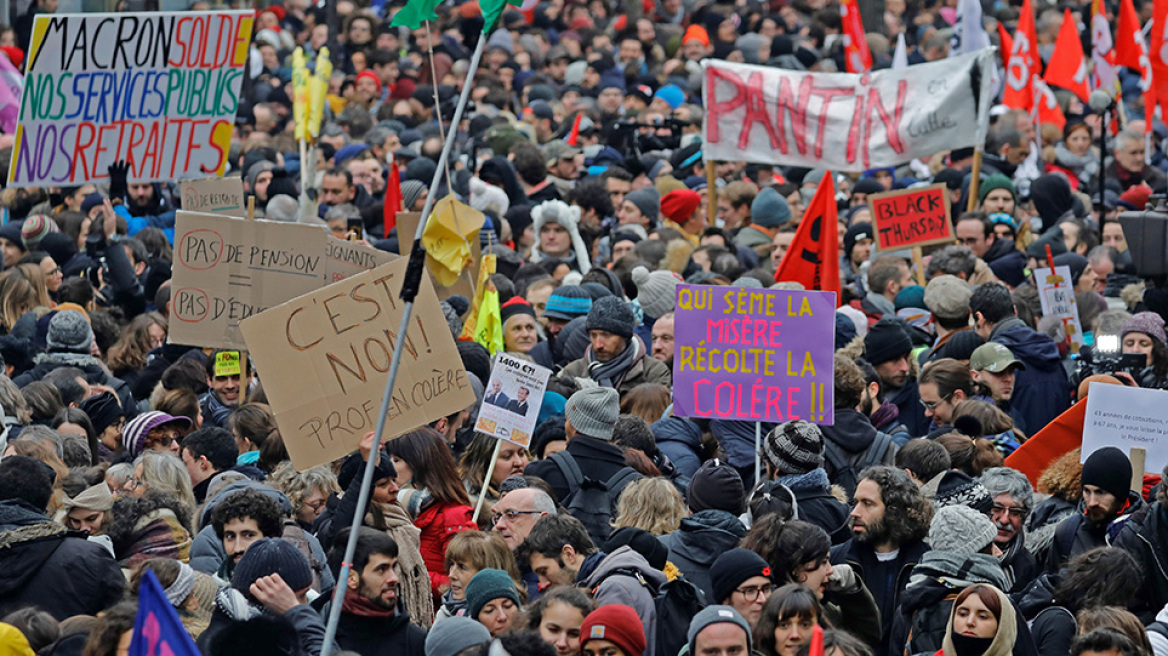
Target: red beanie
x: 680, y: 204
x: 15, y: 55
x: 372, y: 76
x: 617, y: 624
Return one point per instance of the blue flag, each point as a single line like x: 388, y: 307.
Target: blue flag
x: 158, y: 631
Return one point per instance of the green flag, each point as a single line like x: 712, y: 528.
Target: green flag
x: 415, y: 13
x: 492, y: 9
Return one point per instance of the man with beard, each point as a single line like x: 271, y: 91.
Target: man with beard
x: 1012, y: 496
x: 1107, y: 503
x: 240, y: 521
x: 889, y: 521
x: 888, y: 348
x: 374, y: 622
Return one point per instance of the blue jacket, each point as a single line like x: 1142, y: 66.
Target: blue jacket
x: 680, y: 440
x: 134, y: 224
x: 1042, y: 390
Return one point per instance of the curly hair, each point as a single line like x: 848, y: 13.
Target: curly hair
x: 652, y: 504
x: 249, y: 504
x: 1103, y: 576
x: 298, y: 484
x: 907, y: 513
x: 129, y: 352
x: 1062, y: 478
x: 787, y: 546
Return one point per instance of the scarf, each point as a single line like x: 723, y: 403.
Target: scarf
x: 355, y: 604
x: 1007, y: 561
x: 415, y: 501
x: 814, y: 480
x: 452, y: 606
x: 969, y: 646
x: 414, y: 587
x: 611, y: 373
x: 958, y: 572
x: 234, y: 605
x: 885, y: 415
x: 882, y: 305
x: 1084, y: 166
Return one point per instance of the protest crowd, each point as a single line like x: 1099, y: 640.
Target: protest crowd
x: 951, y: 499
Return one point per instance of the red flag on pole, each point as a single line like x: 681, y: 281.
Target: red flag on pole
x: 1132, y: 51
x: 1068, y: 66
x: 856, y: 53
x: 1006, y: 44
x: 813, y: 258
x: 1047, y: 107
x: 1158, y: 52
x: 393, y: 197
x: 1022, y: 65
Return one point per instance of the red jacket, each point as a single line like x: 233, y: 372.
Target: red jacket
x: 438, y: 524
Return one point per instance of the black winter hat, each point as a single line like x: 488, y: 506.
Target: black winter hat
x: 716, y: 485
x: 959, y: 489
x: 886, y: 341
x: 732, y: 569
x: 1110, y: 470
x: 354, y: 466
x: 271, y: 556
x: 868, y: 186
x: 613, y: 315
x: 858, y: 231
x: 642, y: 542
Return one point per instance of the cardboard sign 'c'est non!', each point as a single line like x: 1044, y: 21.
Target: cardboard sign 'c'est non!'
x: 324, y: 357
x: 912, y: 217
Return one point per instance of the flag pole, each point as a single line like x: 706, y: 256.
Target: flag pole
x: 410, y: 285
x: 711, y: 193
x: 487, y: 481
x: 974, y: 179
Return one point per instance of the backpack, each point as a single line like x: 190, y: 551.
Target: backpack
x: 927, y: 626
x: 1159, y: 628
x: 676, y: 603
x: 592, y: 502
x: 847, y: 473
x: 296, y: 535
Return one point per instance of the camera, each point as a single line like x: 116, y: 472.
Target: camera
x: 642, y: 137
x: 1106, y: 358
x: 98, y: 269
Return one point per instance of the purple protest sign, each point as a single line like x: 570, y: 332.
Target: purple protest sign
x: 753, y: 354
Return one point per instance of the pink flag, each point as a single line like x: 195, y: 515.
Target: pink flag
x: 11, y: 90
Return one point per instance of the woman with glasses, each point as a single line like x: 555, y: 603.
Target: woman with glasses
x: 468, y: 553
x: 308, y: 490
x: 155, y: 431
x: 433, y: 495
x: 798, y: 553
x: 152, y: 516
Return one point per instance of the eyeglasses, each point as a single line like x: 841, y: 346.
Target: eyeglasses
x: 931, y: 406
x: 131, y: 484
x: 55, y: 271
x: 316, y: 505
x: 752, y: 592
x: 512, y: 515
x: 1015, y: 513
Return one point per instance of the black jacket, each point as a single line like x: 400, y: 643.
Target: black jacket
x: 1006, y: 261
x: 1042, y: 391
x: 1052, y: 627
x: 374, y: 636
x: 817, y: 505
x: 598, y: 460
x: 907, y: 399
x: 698, y: 542
x: 59, y: 571
x: 1144, y: 536
x: 90, y: 366
x: 862, y: 558
x: 1076, y: 535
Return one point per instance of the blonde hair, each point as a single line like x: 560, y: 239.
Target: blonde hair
x: 298, y: 484
x: 652, y: 504
x: 166, y: 473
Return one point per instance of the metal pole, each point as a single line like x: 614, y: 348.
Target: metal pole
x: 1102, y: 160
x: 757, y: 453
x: 409, y: 290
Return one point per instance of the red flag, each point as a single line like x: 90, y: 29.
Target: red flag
x: 1158, y: 52
x: 1023, y: 63
x: 856, y: 53
x: 813, y: 257
x: 574, y: 135
x: 1132, y: 51
x: 1068, y: 66
x: 1047, y: 107
x: 816, y: 646
x: 1005, y: 44
x: 393, y: 197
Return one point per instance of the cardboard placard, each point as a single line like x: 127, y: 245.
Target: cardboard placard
x: 762, y: 355
x: 324, y: 357
x: 1127, y: 418
x: 158, y: 90
x: 1057, y: 295
x: 911, y: 217
x: 512, y: 400
x: 214, y: 196
x: 345, y: 258
x: 407, y: 224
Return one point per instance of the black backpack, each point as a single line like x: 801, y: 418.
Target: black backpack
x: 846, y: 471
x: 676, y: 603
x: 592, y: 502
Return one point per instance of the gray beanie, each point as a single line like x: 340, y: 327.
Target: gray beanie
x: 69, y: 330
x: 454, y: 634
x: 794, y: 447
x: 410, y: 190
x: 648, y: 201
x: 715, y: 615
x: 656, y: 290
x: 961, y: 530
x: 769, y: 209
x: 593, y: 412
x: 612, y: 315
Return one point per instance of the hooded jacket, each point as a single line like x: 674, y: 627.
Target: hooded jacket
x: 853, y: 434
x: 44, y: 565
x: 698, y: 542
x: 1145, y: 536
x: 625, y: 577
x: 1076, y: 534
x: 817, y: 505
x: 1052, y: 627
x: 1042, y: 391
x: 1007, y: 262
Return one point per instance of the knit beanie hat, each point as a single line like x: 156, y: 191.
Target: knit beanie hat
x: 568, y: 302
x: 35, y: 228
x: 515, y: 306
x: 912, y: 296
x: 715, y: 615
x: 454, y: 634
x: 618, y: 624
x: 612, y: 315
x: 271, y: 556
x: 858, y: 231
x: 1110, y: 470
x: 642, y: 542
x: 135, y: 432
x: 678, y: 206
x: 593, y: 412
x: 647, y: 200
x: 1149, y: 323
x: 70, y: 331
x: 716, y: 485
x: 794, y: 447
x: 961, y: 530
x: 672, y: 94
x: 769, y: 209
x: 733, y: 568
x: 411, y: 190
x: 656, y: 290
x: 486, y: 586
x: 958, y: 489
x: 103, y: 411
x: 995, y: 181
x: 886, y: 341
x: 867, y: 186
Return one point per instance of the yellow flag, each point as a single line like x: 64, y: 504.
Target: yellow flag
x: 489, y: 330
x: 318, y: 91
x: 486, y: 268
x: 300, y: 94
x: 449, y: 230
